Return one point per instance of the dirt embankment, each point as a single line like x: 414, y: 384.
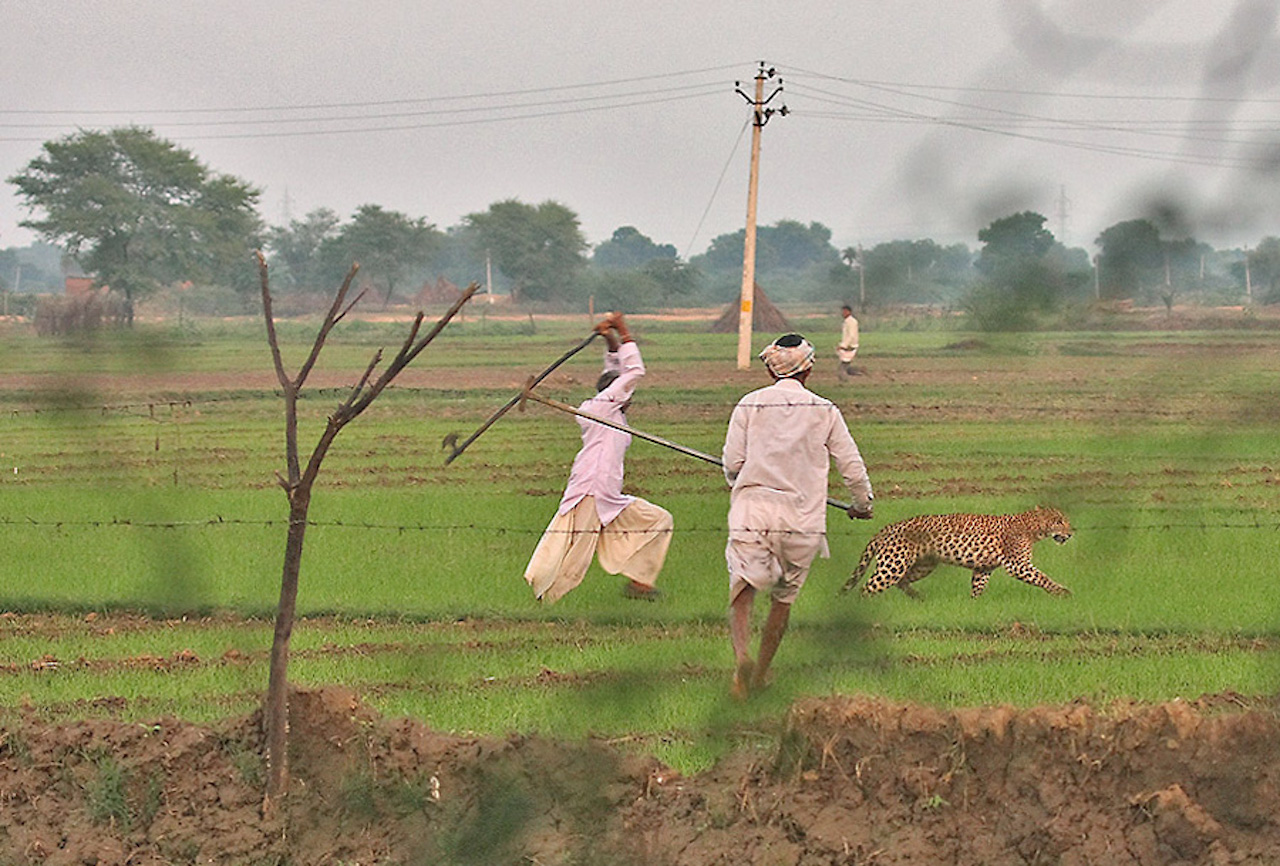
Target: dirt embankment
x: 853, y: 781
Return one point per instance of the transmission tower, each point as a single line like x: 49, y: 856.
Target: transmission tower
x: 1064, y: 204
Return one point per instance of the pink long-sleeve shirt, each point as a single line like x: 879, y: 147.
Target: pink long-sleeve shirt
x: 778, y: 452
x: 598, y: 468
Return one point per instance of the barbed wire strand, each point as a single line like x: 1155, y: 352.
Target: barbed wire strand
x: 1125, y: 408
x: 1271, y: 524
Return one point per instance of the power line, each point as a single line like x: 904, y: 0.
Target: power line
x: 716, y: 190
x: 991, y: 115
x: 1012, y: 91
x: 1171, y: 157
x: 982, y: 118
x: 629, y: 103
x: 379, y: 103
x: 627, y: 98
x: 1013, y: 124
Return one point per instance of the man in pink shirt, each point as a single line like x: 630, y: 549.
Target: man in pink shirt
x: 778, y: 453
x: 626, y: 534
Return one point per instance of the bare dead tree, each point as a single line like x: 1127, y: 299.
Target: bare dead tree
x: 298, y: 484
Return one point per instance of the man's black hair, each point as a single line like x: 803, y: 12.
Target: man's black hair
x: 789, y: 341
x: 605, y: 380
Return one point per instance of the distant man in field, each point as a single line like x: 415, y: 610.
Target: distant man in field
x: 847, y: 348
x: 777, y: 455
x: 626, y: 534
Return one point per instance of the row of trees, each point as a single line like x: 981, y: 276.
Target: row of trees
x: 139, y: 213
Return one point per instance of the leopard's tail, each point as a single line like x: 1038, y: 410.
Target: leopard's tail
x: 873, y: 547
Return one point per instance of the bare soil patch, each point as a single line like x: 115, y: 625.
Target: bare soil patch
x: 851, y: 781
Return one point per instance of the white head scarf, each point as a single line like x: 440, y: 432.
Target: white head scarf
x: 789, y: 355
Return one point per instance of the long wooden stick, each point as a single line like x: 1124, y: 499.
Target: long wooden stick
x: 640, y: 434
x: 507, y: 407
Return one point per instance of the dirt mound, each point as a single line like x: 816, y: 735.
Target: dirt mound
x: 852, y: 781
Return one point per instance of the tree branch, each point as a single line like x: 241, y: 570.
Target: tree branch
x: 330, y: 319
x: 344, y: 409
x: 440, y: 325
x: 351, y: 305
x: 272, y: 340
x: 411, y: 350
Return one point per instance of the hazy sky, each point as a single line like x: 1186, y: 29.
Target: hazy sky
x: 908, y: 119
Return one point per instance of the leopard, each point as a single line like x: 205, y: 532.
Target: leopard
x: 909, y: 550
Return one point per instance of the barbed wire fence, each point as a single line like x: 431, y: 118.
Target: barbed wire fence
x: 148, y: 409
x: 1270, y: 524
x: 170, y: 414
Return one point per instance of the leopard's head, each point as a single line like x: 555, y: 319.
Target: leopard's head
x: 1050, y: 523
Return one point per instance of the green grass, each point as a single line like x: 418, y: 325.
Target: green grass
x: 133, y: 494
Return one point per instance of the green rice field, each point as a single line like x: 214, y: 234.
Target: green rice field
x: 143, y: 530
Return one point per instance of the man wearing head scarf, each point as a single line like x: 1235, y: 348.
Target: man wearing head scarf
x: 627, y: 534
x: 777, y: 456
x: 847, y: 348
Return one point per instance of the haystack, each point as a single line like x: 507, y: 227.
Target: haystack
x: 764, y: 316
x: 443, y: 292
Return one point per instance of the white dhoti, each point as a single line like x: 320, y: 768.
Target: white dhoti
x: 633, y: 544
x: 775, y: 560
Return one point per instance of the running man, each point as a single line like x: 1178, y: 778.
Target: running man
x: 777, y: 455
x: 626, y: 534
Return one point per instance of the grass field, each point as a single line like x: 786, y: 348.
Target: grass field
x: 143, y: 529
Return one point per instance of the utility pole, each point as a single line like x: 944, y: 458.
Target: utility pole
x: 488, y: 276
x: 1248, y: 279
x: 760, y: 116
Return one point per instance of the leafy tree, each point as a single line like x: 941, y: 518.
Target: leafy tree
x: 296, y: 251
x: 919, y: 271
x: 793, y: 246
x: 677, y: 280
x: 662, y: 282
x: 139, y: 212
x: 1131, y: 256
x: 1264, y: 269
x: 1024, y: 271
x: 387, y: 244
x: 724, y: 253
x: 786, y: 245
x: 1013, y: 242
x: 539, y: 247
x: 629, y: 249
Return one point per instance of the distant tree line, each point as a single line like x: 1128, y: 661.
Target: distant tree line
x: 139, y: 214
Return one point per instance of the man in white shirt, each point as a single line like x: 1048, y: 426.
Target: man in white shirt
x: 627, y: 535
x: 777, y: 455
x: 847, y: 349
